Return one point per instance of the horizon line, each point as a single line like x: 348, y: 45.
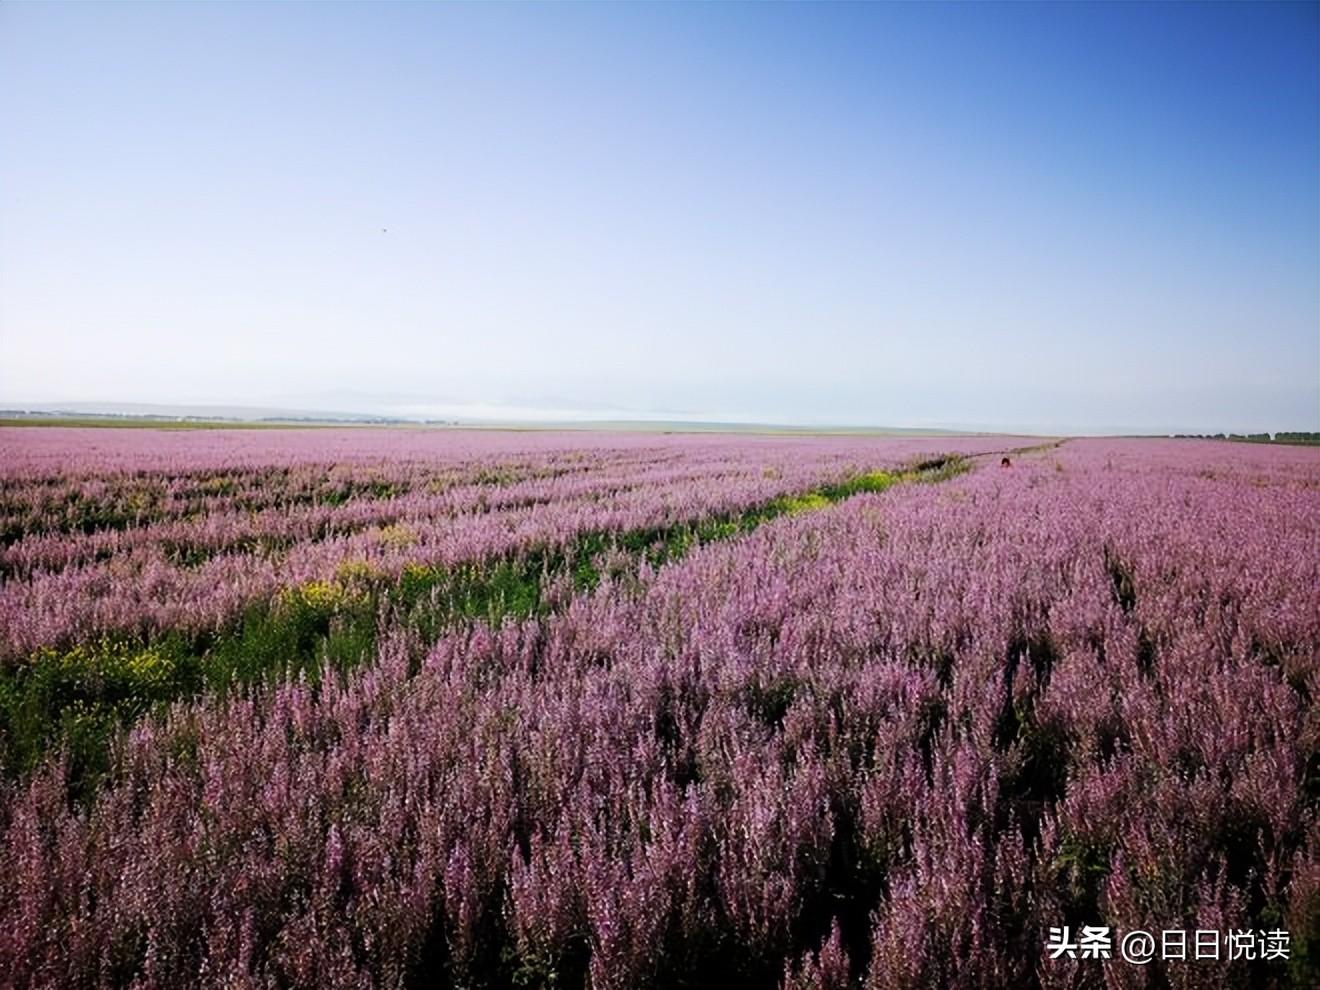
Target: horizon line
x: 238, y: 414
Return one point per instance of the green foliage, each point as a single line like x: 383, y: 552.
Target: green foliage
x: 80, y: 694
x: 794, y: 504
x: 1079, y: 869
x: 872, y: 481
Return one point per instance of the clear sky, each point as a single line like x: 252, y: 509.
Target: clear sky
x: 1061, y: 216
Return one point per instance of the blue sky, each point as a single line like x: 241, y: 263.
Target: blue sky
x: 1060, y: 217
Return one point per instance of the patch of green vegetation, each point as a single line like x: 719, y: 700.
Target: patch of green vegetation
x: 75, y: 698
x: 804, y: 503
x: 78, y: 696
x: 1079, y: 869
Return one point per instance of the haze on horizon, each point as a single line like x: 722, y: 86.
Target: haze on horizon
x: 1066, y: 218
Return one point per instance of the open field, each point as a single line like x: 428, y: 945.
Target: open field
x: 144, y: 423
x: 394, y: 708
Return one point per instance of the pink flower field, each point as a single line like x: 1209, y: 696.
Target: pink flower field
x: 408, y: 708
